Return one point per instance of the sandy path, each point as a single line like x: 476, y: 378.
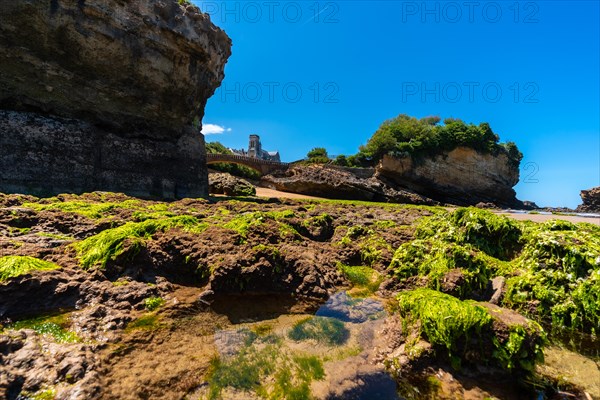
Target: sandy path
x: 544, y: 217
x: 263, y: 192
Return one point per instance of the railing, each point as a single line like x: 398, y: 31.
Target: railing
x: 242, y: 159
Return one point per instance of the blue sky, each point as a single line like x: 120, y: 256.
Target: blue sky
x: 307, y: 74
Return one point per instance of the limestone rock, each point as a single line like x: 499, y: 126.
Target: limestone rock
x: 104, y: 95
x: 339, y: 183
x: 462, y: 177
x: 222, y: 183
x: 126, y: 64
x: 591, y: 201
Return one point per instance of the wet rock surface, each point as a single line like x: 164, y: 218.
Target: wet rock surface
x: 189, y: 286
x: 462, y: 177
x: 284, y: 248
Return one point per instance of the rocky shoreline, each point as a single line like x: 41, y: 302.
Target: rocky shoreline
x: 118, y: 276
x: 462, y: 177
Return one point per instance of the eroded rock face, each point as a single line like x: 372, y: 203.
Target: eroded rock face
x: 227, y: 184
x: 339, y: 183
x: 151, y: 63
x: 591, y: 201
x: 462, y: 177
x: 104, y: 94
x: 49, y: 155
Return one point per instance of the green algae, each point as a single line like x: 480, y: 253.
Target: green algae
x: 90, y: 210
x: 495, y: 235
x: 369, y: 242
x: 323, y: 220
x: 434, y: 259
x: 103, y: 209
x: 109, y: 244
x: 445, y: 320
x: 557, y: 275
x: 264, y: 366
x: 55, y: 326
x: 365, y: 280
x: 324, y: 330
x: 147, y: 322
x: 244, y: 223
x: 153, y: 303
x: 463, y: 327
x: 42, y: 394
x: 552, y: 268
x: 14, y: 266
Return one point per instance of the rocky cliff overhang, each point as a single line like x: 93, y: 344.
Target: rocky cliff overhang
x: 591, y: 201
x: 124, y: 64
x: 112, y: 78
x: 462, y: 176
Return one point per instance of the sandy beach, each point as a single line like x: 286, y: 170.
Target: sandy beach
x: 264, y: 192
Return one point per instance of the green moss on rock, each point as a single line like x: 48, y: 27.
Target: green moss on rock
x: 14, y: 266
x: 552, y: 268
x: 109, y: 244
x: 472, y: 331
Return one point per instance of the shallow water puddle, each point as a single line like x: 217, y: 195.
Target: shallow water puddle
x: 326, y: 355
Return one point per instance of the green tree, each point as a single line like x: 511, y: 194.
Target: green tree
x: 426, y: 136
x: 382, y: 142
x: 317, y: 152
x: 318, y: 155
x: 341, y: 160
x: 217, y: 148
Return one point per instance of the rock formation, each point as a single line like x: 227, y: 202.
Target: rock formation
x: 462, y: 177
x: 227, y: 184
x: 104, y: 95
x: 339, y: 183
x: 591, y: 201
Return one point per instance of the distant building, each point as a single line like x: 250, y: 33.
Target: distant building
x: 255, y: 150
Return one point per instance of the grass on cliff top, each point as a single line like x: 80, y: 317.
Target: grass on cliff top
x: 14, y: 266
x: 552, y: 268
x: 464, y: 326
x: 109, y: 244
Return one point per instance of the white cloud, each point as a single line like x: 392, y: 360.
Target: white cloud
x: 212, y: 129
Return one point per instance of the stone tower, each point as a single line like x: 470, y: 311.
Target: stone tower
x: 254, y: 148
